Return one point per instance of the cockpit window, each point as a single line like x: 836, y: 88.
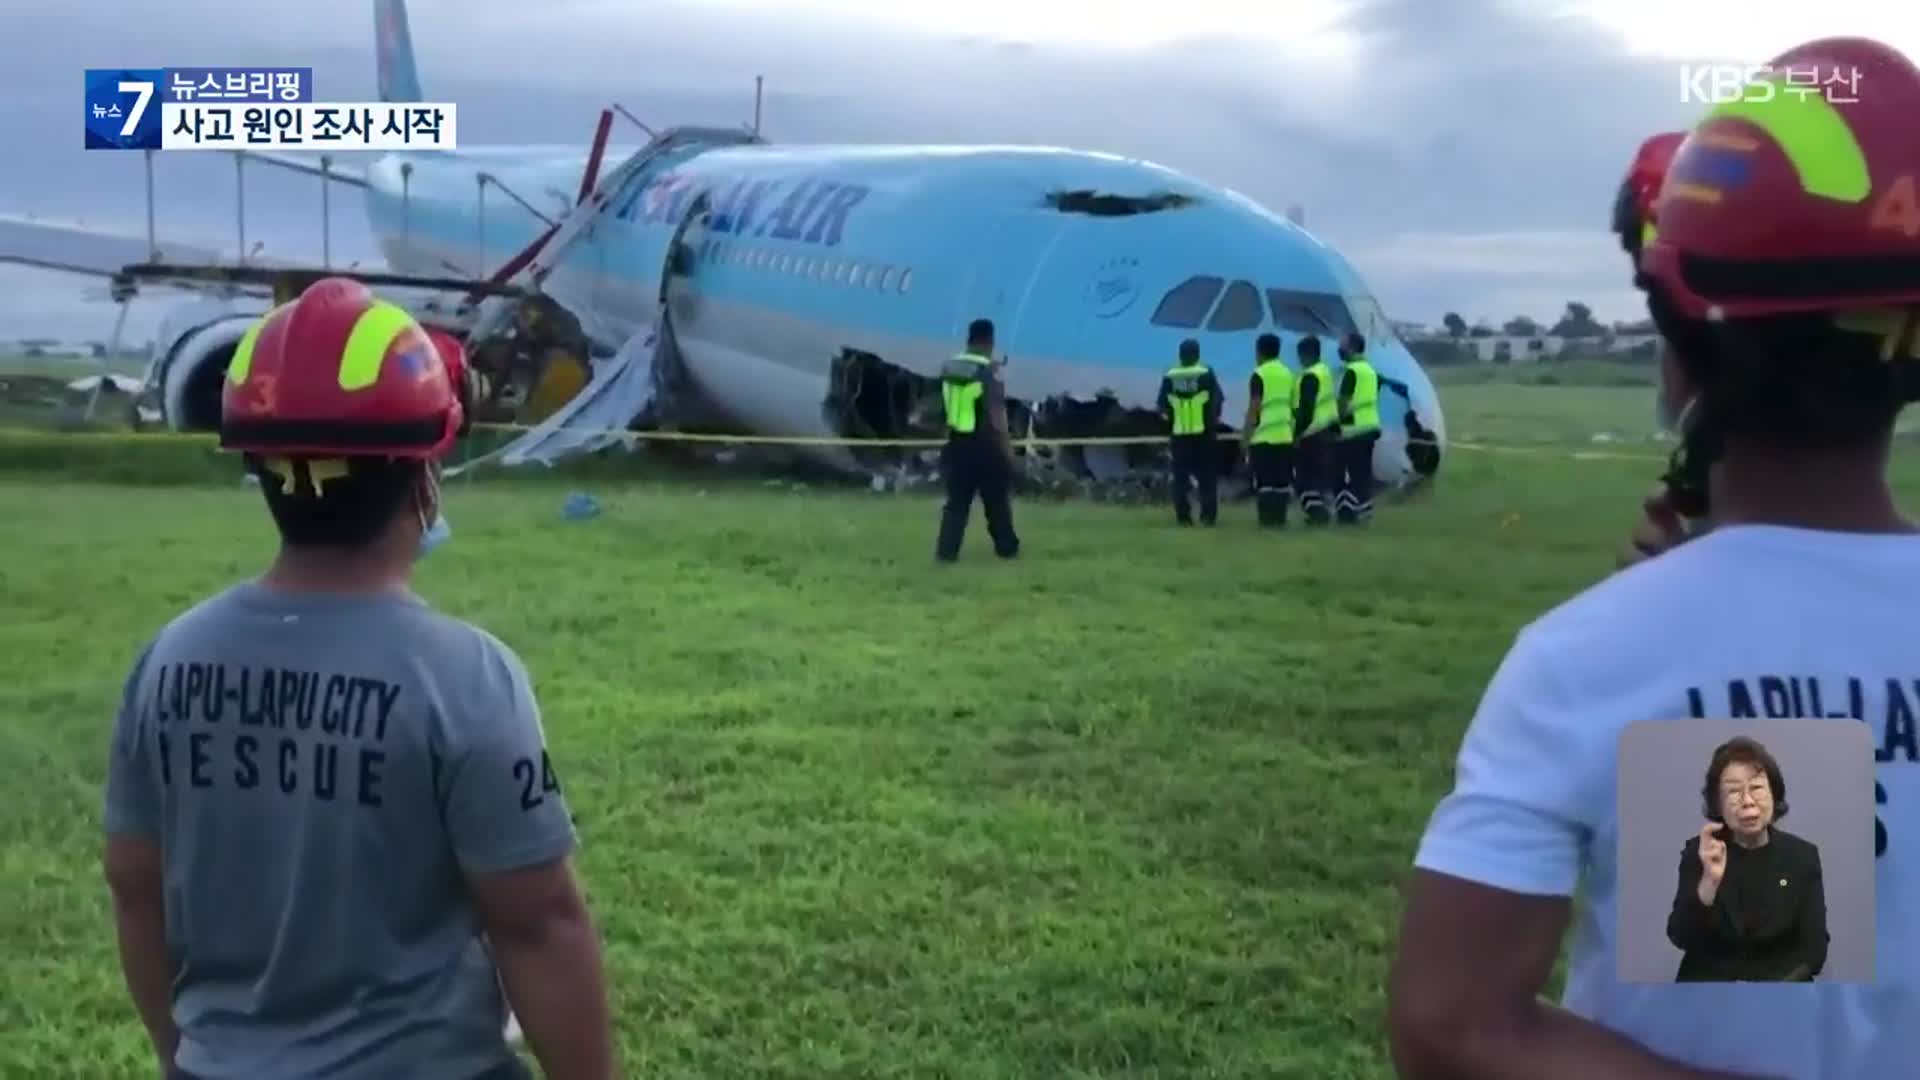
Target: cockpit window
x: 1239, y: 309
x: 1188, y: 302
x: 1309, y: 312
x: 1371, y: 318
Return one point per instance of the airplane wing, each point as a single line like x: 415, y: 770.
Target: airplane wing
x: 353, y: 175
x: 79, y: 248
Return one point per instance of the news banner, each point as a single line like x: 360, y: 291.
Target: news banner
x: 251, y: 108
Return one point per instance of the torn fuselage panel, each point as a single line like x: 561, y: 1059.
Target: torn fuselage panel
x: 1113, y: 204
x: 869, y: 398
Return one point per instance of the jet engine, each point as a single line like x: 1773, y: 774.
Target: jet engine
x: 188, y: 367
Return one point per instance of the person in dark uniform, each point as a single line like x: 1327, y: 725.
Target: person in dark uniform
x: 1423, y: 445
x: 1750, y: 906
x: 978, y: 457
x: 1190, y: 400
x: 1315, y: 428
x: 1269, y: 430
x: 1359, y: 416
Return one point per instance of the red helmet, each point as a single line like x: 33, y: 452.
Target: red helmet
x: 339, y: 373
x: 1633, y: 207
x: 454, y: 355
x: 1800, y: 196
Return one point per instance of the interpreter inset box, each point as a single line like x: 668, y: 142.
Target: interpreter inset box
x: 1746, y: 851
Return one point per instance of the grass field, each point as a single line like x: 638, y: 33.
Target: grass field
x: 1137, y: 805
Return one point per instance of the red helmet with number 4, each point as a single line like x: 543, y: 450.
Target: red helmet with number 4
x: 1800, y: 198
x: 339, y: 373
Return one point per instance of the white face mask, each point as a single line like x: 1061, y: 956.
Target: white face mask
x: 434, y: 535
x: 1666, y: 416
x: 436, y: 532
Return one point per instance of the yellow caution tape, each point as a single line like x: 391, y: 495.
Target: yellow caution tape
x: 799, y: 440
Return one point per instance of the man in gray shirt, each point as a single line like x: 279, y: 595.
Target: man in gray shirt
x: 334, y: 832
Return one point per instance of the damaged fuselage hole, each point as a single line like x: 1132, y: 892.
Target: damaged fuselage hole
x: 1107, y: 204
x: 870, y: 398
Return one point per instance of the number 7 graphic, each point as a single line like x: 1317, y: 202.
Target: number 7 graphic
x: 143, y: 93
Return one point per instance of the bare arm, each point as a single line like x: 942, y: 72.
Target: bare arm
x: 511, y: 831
x: 548, y: 953
x: 134, y: 864
x: 1253, y: 407
x: 997, y: 417
x: 134, y: 879
x: 1464, y: 994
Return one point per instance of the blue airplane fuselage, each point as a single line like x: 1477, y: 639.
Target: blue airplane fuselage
x: 807, y: 251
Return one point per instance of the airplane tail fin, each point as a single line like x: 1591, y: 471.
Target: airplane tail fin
x: 393, y: 44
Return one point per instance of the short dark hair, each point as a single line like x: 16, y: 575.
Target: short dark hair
x: 1356, y: 343
x: 342, y: 503
x: 1743, y: 750
x: 980, y: 332
x: 1788, y: 382
x: 1267, y: 346
x: 1189, y: 349
x: 1310, y: 346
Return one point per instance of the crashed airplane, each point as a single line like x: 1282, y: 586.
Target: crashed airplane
x: 713, y: 281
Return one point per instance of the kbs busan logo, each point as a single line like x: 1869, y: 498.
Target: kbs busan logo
x: 1721, y: 84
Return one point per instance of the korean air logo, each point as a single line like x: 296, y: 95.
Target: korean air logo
x: 1112, y: 290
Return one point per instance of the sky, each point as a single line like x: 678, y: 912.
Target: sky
x: 1462, y: 153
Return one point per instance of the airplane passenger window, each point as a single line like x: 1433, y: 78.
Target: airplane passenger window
x: 906, y: 278
x: 1309, y: 312
x: 843, y: 273
x: 859, y: 279
x: 786, y: 264
x: 1188, y: 302
x: 1239, y: 309
x: 886, y: 278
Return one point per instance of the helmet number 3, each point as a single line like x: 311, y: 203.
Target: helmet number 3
x: 1898, y: 210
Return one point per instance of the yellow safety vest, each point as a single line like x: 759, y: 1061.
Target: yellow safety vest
x: 1275, y: 424
x: 1363, y: 417
x: 1188, y: 399
x: 1326, y: 409
x: 961, y: 387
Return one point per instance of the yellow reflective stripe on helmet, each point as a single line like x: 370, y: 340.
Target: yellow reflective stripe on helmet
x: 367, y: 346
x: 1814, y: 136
x: 242, y: 360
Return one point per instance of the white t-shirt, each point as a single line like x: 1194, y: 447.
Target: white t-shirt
x: 1688, y: 634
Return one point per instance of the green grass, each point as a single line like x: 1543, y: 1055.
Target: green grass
x: 1137, y: 805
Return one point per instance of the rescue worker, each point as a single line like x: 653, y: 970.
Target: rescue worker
x: 1189, y: 400
x: 1359, y: 426
x: 1269, y: 429
x: 1788, y: 301
x: 1315, y: 417
x: 321, y: 793
x: 978, y: 456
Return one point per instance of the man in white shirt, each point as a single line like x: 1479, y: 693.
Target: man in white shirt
x: 1787, y: 286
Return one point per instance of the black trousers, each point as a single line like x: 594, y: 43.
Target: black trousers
x: 1353, y: 503
x: 1272, y: 481
x: 1315, y: 476
x: 1196, y: 461
x: 973, y: 466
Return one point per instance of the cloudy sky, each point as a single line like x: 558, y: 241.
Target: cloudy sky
x: 1464, y: 153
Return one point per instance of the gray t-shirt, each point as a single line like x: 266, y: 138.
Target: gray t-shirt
x: 319, y: 772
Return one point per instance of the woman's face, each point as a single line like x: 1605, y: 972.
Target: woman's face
x: 1746, y: 800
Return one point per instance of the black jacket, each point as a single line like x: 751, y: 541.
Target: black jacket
x: 1768, y: 922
